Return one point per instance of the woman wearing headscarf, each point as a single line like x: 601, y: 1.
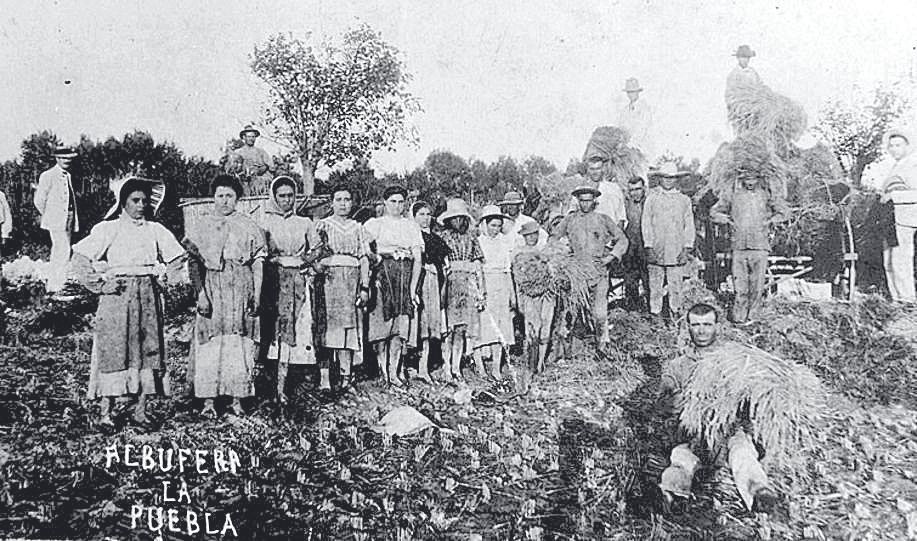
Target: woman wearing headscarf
x: 342, y: 287
x: 124, y: 259
x: 429, y: 320
x: 398, y: 248
x: 497, y: 319
x: 291, y: 241
x: 228, y: 250
x: 465, y: 294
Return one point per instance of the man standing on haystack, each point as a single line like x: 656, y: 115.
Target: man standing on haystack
x: 901, y: 188
x: 668, y: 238
x: 256, y: 163
x: 637, y: 118
x: 596, y: 240
x: 742, y: 74
x: 750, y: 210
x: 56, y: 203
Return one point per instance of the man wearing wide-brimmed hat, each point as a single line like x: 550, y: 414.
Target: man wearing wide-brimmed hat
x: 667, y: 226
x: 56, y: 202
x: 511, y: 206
x: 743, y: 74
x: 256, y: 163
x: 597, y: 240
x: 636, y: 117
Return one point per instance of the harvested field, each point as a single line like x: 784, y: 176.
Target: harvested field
x: 573, y: 453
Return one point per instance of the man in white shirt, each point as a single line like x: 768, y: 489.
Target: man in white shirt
x: 743, y: 74
x: 611, y: 200
x: 256, y: 163
x: 511, y: 206
x: 637, y: 118
x: 6, y: 220
x: 901, y: 188
x: 56, y: 202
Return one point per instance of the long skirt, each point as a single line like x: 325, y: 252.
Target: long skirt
x: 288, y: 302
x: 339, y: 323
x: 392, y: 309
x: 461, y: 300
x: 497, y: 318
x: 128, y: 350
x: 225, y: 347
x: 429, y: 320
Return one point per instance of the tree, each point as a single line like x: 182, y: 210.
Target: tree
x: 855, y: 132
x: 449, y: 173
x: 335, y: 101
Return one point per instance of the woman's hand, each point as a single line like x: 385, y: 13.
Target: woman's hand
x: 362, y: 298
x: 113, y: 286
x: 254, y: 306
x: 204, y: 307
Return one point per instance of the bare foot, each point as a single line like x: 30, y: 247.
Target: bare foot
x: 141, y: 418
x: 208, y: 411
x: 237, y: 409
x: 424, y: 378
x: 105, y: 421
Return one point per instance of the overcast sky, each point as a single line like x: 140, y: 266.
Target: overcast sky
x: 502, y: 77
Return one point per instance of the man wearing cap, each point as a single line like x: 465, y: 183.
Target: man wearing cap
x: 511, y: 206
x: 56, y: 202
x: 597, y: 240
x: 668, y: 237
x: 256, y: 163
x: 901, y: 188
x: 743, y: 74
x: 636, y: 118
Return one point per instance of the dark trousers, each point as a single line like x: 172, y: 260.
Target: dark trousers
x: 635, y: 274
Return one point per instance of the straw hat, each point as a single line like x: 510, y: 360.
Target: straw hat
x: 585, y: 189
x: 157, y: 194
x: 529, y: 228
x: 454, y: 207
x: 668, y: 169
x: 632, y: 85
x: 492, y: 211
x: 64, y: 151
x: 745, y: 51
x: 249, y: 129
x: 512, y: 198
x: 898, y: 131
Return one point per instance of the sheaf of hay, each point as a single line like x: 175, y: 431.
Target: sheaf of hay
x: 782, y: 399
x: 759, y: 111
x: 611, y: 143
x: 746, y: 155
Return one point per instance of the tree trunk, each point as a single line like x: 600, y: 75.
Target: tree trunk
x: 308, y: 177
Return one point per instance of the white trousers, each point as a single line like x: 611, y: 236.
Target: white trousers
x: 60, y: 259
x: 899, y: 266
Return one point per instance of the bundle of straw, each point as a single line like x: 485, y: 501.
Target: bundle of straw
x: 611, y: 144
x: 781, y: 399
x: 746, y: 155
x: 758, y: 110
x: 555, y: 189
